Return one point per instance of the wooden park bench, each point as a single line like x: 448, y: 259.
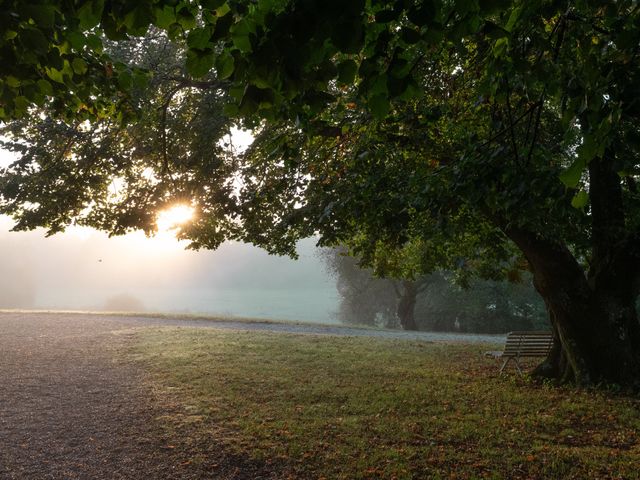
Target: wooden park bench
x: 523, y: 344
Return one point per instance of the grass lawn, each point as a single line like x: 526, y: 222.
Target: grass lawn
x: 331, y: 407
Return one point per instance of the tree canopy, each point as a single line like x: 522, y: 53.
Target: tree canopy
x: 116, y: 176
x: 477, y: 126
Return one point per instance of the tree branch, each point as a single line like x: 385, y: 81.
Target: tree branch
x: 515, y: 122
x: 536, y: 129
x: 184, y: 82
x: 511, y: 129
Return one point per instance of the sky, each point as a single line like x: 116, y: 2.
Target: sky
x: 83, y: 269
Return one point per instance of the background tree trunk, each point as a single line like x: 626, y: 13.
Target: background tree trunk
x: 407, y: 296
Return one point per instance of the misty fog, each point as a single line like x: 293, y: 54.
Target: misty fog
x: 83, y: 269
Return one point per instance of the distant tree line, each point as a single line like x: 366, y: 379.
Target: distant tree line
x: 433, y: 302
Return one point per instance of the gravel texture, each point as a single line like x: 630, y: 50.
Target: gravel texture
x: 72, y: 408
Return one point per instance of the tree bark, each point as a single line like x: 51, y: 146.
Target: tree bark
x: 407, y: 296
x: 594, y: 320
x: 556, y: 366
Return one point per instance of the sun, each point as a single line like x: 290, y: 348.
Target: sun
x: 173, y: 217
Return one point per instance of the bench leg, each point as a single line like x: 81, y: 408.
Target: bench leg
x: 504, y: 365
x: 517, y: 362
x: 518, y: 367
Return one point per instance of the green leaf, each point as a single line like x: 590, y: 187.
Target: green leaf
x: 55, y: 74
x: 12, y: 81
x: 141, y: 79
x: 379, y: 86
x: 125, y: 80
x: 493, y: 31
x: 588, y: 149
x: 76, y: 40
x: 571, y: 176
x: 223, y: 10
x: 34, y: 40
x: 165, y: 16
x: 199, y: 63
x: 347, y: 72
x: 242, y: 42
x: 243, y: 27
x: 94, y: 43
x: 113, y: 28
x: 513, y: 19
x: 255, y: 98
x: 225, y: 65
x: 199, y: 38
x: 137, y: 21
x: 236, y: 92
x: 66, y: 69
x: 79, y: 66
x: 230, y: 109
x: 34, y: 95
x: 186, y: 19
x: 379, y: 106
x: 412, y: 91
x: 42, y: 15
x: 433, y: 36
x: 45, y: 87
x: 21, y: 104
x: 580, y: 199
x: 399, y: 67
x: 500, y: 47
x: 90, y: 13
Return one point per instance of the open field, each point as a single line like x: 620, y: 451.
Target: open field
x: 98, y: 396
x: 344, y: 407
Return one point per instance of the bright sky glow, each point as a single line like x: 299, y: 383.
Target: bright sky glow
x: 6, y: 158
x: 239, y: 140
x: 173, y: 217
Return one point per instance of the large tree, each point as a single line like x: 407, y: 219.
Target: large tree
x: 496, y: 123
x: 116, y: 176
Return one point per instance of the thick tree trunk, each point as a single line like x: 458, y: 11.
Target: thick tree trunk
x: 594, y: 319
x: 593, y: 313
x: 407, y: 296
x: 556, y: 366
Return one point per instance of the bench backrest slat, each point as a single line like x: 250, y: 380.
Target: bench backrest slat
x: 528, y: 344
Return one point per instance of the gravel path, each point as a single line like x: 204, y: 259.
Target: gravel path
x: 72, y: 408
